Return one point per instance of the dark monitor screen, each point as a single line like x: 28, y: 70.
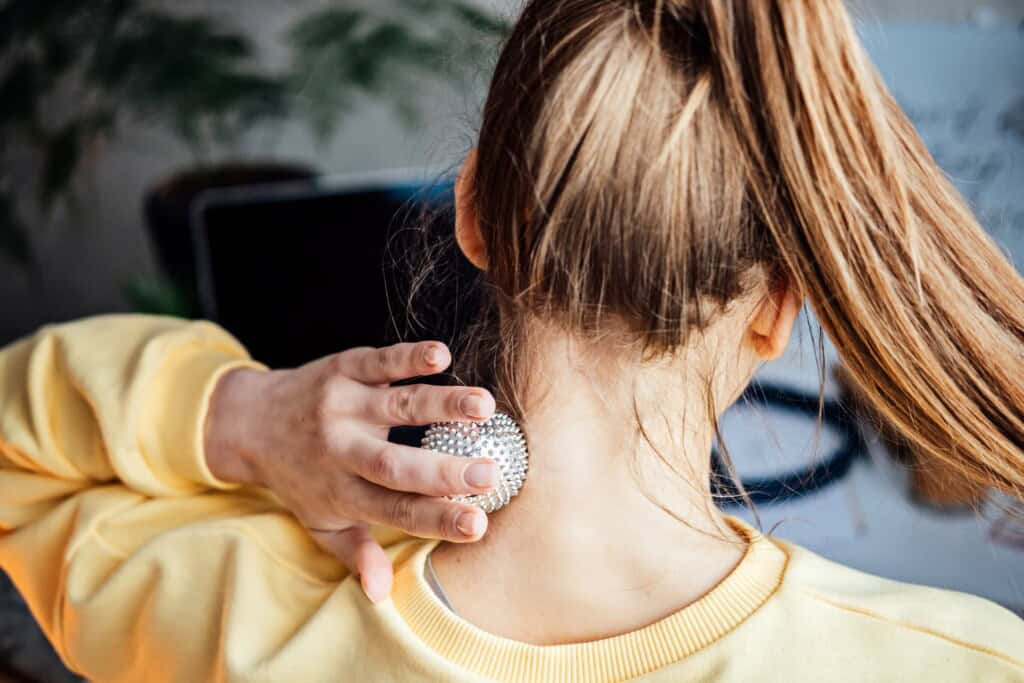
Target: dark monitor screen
x: 298, y: 272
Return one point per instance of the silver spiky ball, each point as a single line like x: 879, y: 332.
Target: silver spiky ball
x: 500, y: 439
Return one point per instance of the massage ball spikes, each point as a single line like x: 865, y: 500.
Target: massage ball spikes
x: 499, y: 439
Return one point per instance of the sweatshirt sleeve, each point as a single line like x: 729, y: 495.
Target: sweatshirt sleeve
x: 120, y: 397
x: 135, y: 560
x: 212, y: 586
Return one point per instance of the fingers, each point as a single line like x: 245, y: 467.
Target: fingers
x: 392, y: 363
x: 362, y: 555
x: 414, y: 470
x: 416, y: 404
x: 420, y: 404
x: 420, y: 515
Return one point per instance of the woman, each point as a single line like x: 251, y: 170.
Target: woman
x: 657, y: 188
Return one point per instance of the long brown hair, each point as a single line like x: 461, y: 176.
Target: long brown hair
x: 638, y: 157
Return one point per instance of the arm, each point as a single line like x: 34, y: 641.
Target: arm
x: 78, y: 407
x: 213, y: 586
x: 170, y: 408
x: 113, y: 397
x: 108, y: 431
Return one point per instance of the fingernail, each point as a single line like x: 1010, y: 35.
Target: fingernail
x: 432, y: 355
x: 473, y: 406
x: 481, y: 475
x: 375, y: 587
x: 471, y: 524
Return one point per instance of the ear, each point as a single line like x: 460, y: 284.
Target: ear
x: 773, y: 321
x: 467, y: 222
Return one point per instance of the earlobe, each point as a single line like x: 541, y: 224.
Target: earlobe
x: 773, y: 323
x: 467, y: 222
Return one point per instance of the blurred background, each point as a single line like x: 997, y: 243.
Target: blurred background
x: 249, y: 161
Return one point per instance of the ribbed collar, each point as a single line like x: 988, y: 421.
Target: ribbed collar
x: 751, y: 582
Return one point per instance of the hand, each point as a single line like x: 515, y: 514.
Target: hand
x: 317, y: 437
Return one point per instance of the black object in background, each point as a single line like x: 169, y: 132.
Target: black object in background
x: 297, y: 272
x: 167, y: 209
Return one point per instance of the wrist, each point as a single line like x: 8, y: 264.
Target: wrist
x: 228, y: 426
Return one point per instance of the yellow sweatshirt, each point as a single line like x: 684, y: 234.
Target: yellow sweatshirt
x: 142, y: 566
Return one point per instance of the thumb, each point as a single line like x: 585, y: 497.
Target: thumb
x: 362, y: 555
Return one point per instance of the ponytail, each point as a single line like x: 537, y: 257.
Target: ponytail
x: 925, y: 311
x: 638, y: 157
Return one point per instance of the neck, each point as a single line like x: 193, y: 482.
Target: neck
x: 602, y: 526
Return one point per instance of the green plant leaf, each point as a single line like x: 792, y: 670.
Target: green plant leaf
x: 157, y: 51
x: 467, y: 15
x: 321, y: 28
x: 388, y: 53
x: 482, y: 21
x: 156, y: 296
x: 199, y: 76
x: 316, y: 83
x: 191, y: 73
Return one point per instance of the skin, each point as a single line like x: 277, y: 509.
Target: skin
x: 613, y: 559
x: 317, y: 437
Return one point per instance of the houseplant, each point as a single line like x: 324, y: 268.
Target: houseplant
x: 340, y: 57
x: 73, y: 73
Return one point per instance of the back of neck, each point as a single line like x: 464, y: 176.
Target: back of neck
x: 605, y: 536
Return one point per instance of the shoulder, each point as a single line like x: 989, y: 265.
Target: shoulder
x: 947, y: 622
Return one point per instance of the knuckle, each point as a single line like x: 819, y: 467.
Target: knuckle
x: 335, y: 364
x: 384, y: 465
x: 451, y: 476
x: 330, y: 439
x: 402, y: 512
x: 325, y: 424
x: 385, y: 357
x: 401, y: 403
x: 325, y: 389
x: 418, y: 395
x: 368, y: 362
x: 453, y: 401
